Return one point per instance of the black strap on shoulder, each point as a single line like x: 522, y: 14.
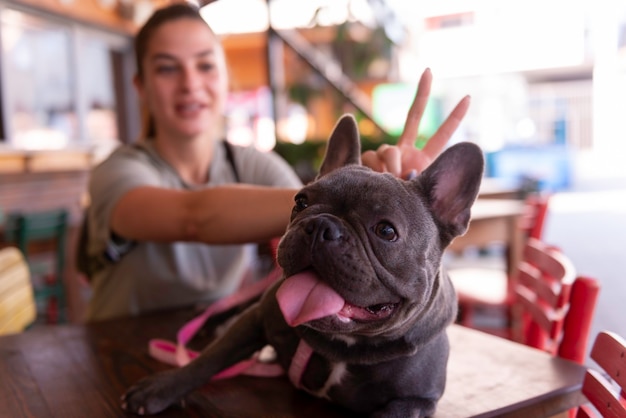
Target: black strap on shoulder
x: 231, y: 159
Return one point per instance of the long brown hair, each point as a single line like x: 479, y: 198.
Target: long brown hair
x: 161, y: 16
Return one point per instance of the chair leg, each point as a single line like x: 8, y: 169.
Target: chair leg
x: 465, y: 315
x: 55, y: 306
x: 52, y: 311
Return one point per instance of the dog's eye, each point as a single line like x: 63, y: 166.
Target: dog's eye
x: 386, y: 231
x: 301, y: 203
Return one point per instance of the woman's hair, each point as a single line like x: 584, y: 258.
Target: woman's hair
x: 161, y: 16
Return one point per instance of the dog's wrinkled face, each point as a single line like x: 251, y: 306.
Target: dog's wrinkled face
x: 362, y: 252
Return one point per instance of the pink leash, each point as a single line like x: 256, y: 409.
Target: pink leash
x: 176, y: 354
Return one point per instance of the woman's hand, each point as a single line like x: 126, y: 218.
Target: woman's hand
x: 404, y: 159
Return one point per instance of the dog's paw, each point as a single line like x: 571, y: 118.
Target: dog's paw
x: 152, y: 394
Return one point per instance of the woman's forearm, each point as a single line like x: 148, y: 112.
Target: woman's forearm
x: 238, y: 214
x: 220, y: 215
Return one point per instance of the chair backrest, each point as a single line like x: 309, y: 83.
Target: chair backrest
x: 24, y: 228
x: 609, y: 351
x: 17, y: 303
x: 542, y: 293
x: 533, y: 221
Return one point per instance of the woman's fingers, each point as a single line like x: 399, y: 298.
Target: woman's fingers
x: 391, y: 158
x: 414, y: 160
x: 438, y: 141
x: 370, y: 159
x: 386, y: 158
x: 405, y: 159
x: 414, y: 117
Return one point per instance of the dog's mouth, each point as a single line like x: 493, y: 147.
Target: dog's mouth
x: 303, y: 298
x: 378, y: 311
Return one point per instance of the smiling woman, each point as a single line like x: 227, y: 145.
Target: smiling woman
x: 181, y: 170
x: 181, y: 53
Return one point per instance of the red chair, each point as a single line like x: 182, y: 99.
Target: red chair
x: 533, y: 220
x: 552, y: 311
x: 609, y: 351
x: 491, y: 291
x: 551, y: 308
x: 542, y: 288
x: 555, y: 323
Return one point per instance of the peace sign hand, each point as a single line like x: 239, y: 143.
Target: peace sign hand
x: 404, y: 159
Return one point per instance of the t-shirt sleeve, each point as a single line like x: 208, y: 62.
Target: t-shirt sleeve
x: 124, y: 170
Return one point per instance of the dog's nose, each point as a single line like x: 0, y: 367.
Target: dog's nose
x: 324, y: 229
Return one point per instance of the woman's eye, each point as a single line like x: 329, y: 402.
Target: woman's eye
x: 206, y: 67
x: 386, y: 231
x: 166, y: 69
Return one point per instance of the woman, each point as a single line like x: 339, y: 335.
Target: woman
x: 157, y: 204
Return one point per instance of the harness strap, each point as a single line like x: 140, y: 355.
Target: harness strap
x: 230, y: 156
x: 299, y: 362
x: 177, y: 354
x: 190, y: 329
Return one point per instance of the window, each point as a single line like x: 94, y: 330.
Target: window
x: 453, y: 20
x: 104, y: 89
x: 40, y: 110
x: 62, y: 85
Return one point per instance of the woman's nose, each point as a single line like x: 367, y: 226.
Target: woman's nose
x: 191, y: 79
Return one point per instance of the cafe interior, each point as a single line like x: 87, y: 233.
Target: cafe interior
x: 541, y: 322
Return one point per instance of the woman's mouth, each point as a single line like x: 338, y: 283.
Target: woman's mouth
x: 189, y: 109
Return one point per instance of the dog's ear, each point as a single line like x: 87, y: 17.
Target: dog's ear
x: 451, y: 184
x: 344, y: 146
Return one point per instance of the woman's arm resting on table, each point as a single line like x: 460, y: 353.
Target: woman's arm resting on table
x: 220, y: 215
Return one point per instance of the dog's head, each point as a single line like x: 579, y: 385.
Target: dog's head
x: 362, y: 253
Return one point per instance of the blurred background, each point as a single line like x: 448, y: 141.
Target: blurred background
x: 547, y: 80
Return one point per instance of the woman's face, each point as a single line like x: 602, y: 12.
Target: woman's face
x: 185, y: 82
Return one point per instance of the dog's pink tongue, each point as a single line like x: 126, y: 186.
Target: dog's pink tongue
x: 303, y: 297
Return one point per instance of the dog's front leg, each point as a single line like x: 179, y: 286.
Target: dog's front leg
x: 155, y: 393
x: 407, y: 408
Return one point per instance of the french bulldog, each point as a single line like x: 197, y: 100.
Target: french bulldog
x: 360, y: 316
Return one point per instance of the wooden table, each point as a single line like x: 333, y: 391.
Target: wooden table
x: 493, y: 221
x: 494, y: 188
x: 75, y: 370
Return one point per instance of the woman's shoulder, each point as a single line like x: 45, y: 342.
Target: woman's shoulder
x: 266, y: 167
x: 134, y: 160
x: 252, y: 154
x: 125, y: 153
x: 126, y: 167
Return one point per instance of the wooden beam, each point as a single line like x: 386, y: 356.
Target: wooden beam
x: 330, y: 70
x: 86, y: 11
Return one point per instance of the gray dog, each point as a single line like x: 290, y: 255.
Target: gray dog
x: 361, y: 317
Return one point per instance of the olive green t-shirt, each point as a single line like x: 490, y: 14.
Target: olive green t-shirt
x: 150, y: 275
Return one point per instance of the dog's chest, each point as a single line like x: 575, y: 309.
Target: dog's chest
x: 320, y: 375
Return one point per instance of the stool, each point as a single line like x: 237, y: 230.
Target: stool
x: 33, y: 233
